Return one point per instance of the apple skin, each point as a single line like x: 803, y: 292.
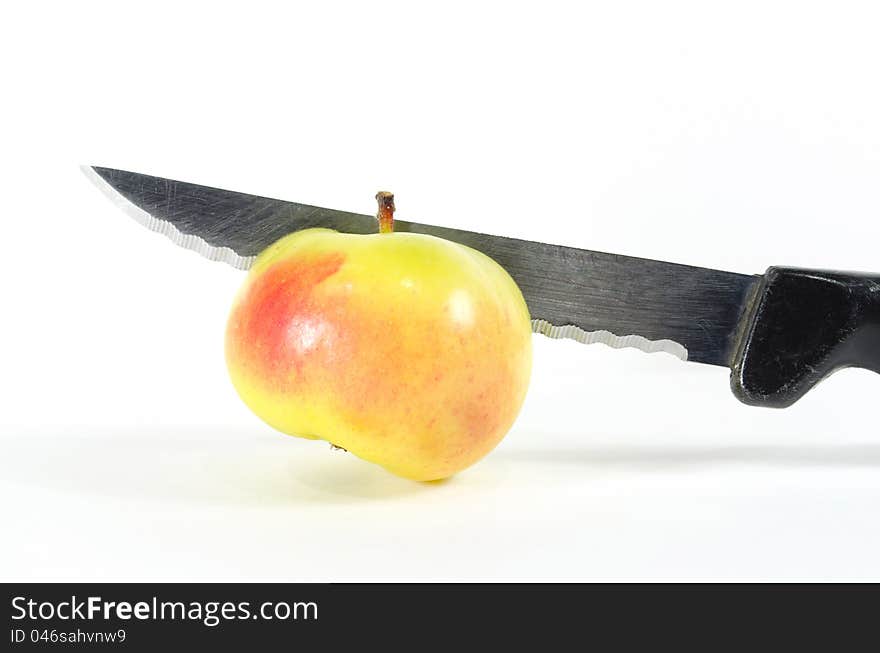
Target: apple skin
x: 407, y: 350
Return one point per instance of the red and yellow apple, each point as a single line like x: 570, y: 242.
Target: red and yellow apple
x: 407, y: 350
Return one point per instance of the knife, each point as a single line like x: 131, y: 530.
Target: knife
x: 780, y: 333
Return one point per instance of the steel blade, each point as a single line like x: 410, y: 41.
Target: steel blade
x: 588, y: 296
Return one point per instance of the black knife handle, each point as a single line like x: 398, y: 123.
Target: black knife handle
x: 803, y: 326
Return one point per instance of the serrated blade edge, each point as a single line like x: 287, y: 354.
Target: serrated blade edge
x: 573, y: 332
x: 167, y: 229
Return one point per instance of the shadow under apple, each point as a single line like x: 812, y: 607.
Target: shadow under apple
x: 226, y: 468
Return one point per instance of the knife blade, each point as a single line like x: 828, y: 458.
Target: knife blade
x: 698, y: 314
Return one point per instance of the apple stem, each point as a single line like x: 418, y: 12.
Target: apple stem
x: 386, y: 211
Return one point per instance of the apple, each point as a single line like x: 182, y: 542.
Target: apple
x: 406, y: 350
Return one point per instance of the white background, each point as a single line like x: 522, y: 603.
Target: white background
x: 734, y: 136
